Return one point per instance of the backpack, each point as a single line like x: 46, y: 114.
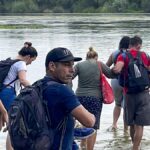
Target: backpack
x: 115, y: 55
x: 136, y: 79
x: 4, y: 69
x: 29, y: 120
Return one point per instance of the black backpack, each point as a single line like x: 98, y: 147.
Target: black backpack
x: 4, y: 69
x: 136, y: 78
x: 29, y: 120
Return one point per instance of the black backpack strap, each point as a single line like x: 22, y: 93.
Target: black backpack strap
x: 11, y: 82
x: 64, y: 123
x: 129, y: 56
x: 137, y: 56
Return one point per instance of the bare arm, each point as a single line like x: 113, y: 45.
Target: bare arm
x: 83, y: 116
x: 3, y: 115
x: 75, y: 71
x: 107, y: 71
x: 22, y: 78
x: 109, y: 61
x: 118, y: 67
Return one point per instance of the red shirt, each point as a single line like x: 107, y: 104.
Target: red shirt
x: 125, y: 59
x: 134, y: 52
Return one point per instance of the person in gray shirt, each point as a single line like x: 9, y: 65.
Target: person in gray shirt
x: 88, y: 90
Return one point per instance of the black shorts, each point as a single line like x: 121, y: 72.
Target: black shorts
x: 137, y: 108
x: 94, y: 106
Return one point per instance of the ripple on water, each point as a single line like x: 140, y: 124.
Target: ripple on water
x: 2, y: 140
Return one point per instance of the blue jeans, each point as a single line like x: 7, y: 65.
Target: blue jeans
x: 7, y: 96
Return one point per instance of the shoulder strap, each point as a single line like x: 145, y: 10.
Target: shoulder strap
x: 11, y: 82
x: 139, y: 54
x: 64, y: 123
x: 12, y: 62
x: 129, y: 56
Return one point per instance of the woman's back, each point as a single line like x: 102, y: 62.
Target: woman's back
x: 88, y: 78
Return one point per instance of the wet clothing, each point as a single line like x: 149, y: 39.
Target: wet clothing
x: 8, y: 94
x: 61, y: 101
x: 88, y: 89
x: 94, y: 106
x: 137, y: 106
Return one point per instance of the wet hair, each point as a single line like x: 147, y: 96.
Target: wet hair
x: 91, y: 53
x: 124, y: 43
x: 134, y: 41
x: 28, y: 50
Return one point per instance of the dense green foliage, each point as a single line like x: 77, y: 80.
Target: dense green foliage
x: 74, y: 6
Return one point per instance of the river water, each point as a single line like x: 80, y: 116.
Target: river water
x: 77, y: 32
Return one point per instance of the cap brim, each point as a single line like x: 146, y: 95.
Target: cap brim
x: 71, y: 59
x: 77, y: 58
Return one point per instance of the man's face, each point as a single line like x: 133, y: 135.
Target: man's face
x: 63, y: 71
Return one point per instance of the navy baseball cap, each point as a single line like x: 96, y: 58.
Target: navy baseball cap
x: 60, y: 54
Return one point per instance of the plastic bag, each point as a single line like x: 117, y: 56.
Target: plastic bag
x: 107, y: 92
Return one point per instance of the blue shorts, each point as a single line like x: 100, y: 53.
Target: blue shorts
x: 7, y: 96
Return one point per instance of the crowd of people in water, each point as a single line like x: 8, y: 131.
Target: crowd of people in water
x: 86, y: 103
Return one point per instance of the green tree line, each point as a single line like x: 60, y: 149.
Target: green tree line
x: 74, y: 6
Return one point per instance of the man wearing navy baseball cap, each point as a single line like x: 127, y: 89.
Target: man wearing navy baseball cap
x: 63, y: 105
x: 60, y: 54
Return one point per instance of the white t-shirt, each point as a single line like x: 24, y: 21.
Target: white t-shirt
x: 13, y: 72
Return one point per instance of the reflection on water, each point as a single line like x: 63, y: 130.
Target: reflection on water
x: 77, y: 32
x: 115, y: 141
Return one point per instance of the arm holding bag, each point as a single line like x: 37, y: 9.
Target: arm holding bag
x: 107, y: 92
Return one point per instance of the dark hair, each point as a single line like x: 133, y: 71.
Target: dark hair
x: 134, y: 41
x: 91, y: 53
x: 124, y: 43
x: 28, y: 51
x: 28, y: 44
x: 60, y: 54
